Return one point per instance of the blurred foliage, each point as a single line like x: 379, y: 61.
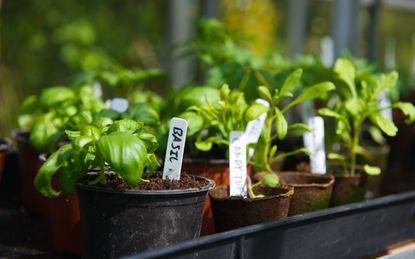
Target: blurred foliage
x: 48, y: 42
x: 259, y: 19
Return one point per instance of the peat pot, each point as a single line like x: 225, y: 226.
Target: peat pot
x: 231, y: 212
x: 311, y: 191
x: 349, y: 189
x: 118, y: 223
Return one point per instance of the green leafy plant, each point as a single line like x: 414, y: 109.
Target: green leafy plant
x: 265, y: 151
x: 125, y: 82
x: 122, y: 146
x: 57, y: 108
x: 356, y: 102
x: 211, y: 123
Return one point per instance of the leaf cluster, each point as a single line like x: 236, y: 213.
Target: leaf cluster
x: 122, y: 146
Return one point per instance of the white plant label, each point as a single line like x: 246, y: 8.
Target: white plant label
x: 119, y: 104
x: 237, y: 163
x: 314, y: 142
x: 175, y: 149
x: 97, y: 89
x: 254, y: 128
x: 384, y: 103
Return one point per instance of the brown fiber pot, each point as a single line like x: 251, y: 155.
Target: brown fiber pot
x: 29, y: 164
x: 4, y: 147
x: 349, y: 189
x: 311, y: 191
x: 218, y: 171
x: 235, y: 212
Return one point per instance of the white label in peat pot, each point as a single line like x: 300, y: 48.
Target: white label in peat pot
x: 314, y: 142
x: 237, y: 163
x: 175, y: 148
x: 119, y: 104
x: 254, y: 128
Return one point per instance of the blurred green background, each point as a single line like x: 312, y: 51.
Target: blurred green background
x: 47, y: 42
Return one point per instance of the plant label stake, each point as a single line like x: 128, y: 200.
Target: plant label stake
x: 237, y: 164
x: 175, y: 148
x: 97, y: 89
x: 119, y: 104
x: 254, y: 128
x: 314, y: 142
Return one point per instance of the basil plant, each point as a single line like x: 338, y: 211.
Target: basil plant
x: 276, y: 127
x: 357, y: 101
x: 122, y: 146
x: 56, y: 108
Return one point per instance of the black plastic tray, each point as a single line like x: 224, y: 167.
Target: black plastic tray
x: 351, y: 231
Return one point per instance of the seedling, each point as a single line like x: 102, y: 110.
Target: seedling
x: 357, y: 102
x: 265, y: 152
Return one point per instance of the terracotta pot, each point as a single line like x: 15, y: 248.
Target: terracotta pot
x: 235, y: 212
x: 65, y: 220
x: 4, y: 147
x: 29, y: 164
x: 349, y: 189
x: 218, y: 171
x: 311, y: 191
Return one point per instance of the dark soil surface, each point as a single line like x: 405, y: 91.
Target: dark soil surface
x: 153, y: 181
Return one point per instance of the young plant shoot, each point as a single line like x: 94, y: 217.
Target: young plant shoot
x: 356, y: 102
x: 265, y: 152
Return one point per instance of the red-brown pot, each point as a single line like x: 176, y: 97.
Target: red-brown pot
x: 64, y: 218
x: 29, y: 164
x: 4, y: 147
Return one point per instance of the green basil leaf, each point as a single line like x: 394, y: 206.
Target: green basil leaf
x: 43, y: 179
x: 150, y: 140
x: 195, y: 122
x: 76, y: 167
x: 56, y: 96
x: 142, y: 112
x: 126, y: 155
x: 126, y: 125
x: 79, y: 120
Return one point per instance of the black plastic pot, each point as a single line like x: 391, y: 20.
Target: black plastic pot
x: 119, y: 223
x: 4, y: 147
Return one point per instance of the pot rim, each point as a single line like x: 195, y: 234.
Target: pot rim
x: 209, y: 186
x: 289, y: 192
x: 205, y: 160
x: 17, y: 135
x: 5, y: 144
x: 360, y: 175
x: 329, y: 177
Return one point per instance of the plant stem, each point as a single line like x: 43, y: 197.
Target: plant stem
x: 353, y: 150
